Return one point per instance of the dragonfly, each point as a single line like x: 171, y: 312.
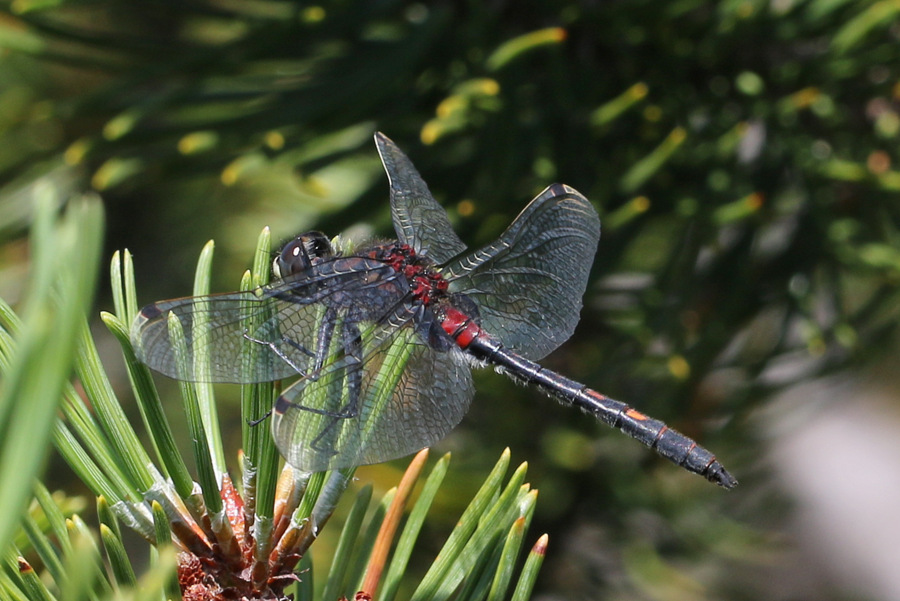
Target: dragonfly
x: 382, y: 337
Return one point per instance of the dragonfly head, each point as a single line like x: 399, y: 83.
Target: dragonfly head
x: 301, y: 253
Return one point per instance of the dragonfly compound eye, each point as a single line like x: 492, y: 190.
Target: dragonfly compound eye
x: 301, y: 253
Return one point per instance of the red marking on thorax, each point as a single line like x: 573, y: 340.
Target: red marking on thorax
x: 426, y: 283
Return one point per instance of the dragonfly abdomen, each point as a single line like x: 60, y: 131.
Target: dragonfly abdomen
x: 669, y: 443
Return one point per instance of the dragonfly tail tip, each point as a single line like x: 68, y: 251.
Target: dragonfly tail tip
x: 717, y: 474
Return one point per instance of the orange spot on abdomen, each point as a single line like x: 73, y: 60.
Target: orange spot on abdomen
x: 635, y: 414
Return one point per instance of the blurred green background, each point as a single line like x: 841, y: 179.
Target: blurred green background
x: 740, y: 153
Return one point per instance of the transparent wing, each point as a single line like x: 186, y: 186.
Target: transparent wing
x: 244, y: 337
x: 235, y: 337
x: 528, y: 284
x: 418, y: 219
x: 404, y: 395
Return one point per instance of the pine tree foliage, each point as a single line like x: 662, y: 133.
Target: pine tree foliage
x: 742, y: 154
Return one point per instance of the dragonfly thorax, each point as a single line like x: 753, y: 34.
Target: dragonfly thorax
x: 426, y: 283
x: 301, y: 253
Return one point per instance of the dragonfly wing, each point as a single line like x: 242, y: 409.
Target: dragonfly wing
x: 240, y: 337
x: 409, y: 396
x: 529, y: 283
x: 418, y: 219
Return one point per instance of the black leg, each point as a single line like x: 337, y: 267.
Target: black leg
x: 352, y: 342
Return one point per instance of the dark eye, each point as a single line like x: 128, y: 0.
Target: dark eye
x: 301, y: 253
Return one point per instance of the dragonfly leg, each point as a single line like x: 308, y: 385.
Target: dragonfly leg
x: 326, y: 332
x: 323, y: 342
x: 352, y: 342
x: 255, y: 422
x: 296, y: 345
x: 280, y: 353
x: 349, y: 378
